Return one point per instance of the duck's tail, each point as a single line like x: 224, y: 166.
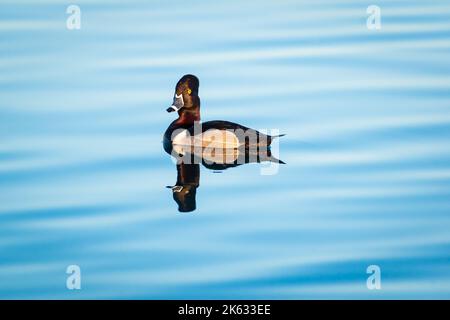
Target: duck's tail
x: 271, y: 138
x: 267, y: 156
x: 273, y: 159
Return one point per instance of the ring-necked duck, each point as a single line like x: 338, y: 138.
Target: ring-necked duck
x: 187, y: 131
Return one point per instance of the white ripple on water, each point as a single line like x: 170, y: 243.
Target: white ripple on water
x: 264, y: 265
x: 57, y: 152
x: 376, y: 155
x: 356, y: 126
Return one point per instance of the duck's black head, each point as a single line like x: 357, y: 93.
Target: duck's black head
x: 186, y: 95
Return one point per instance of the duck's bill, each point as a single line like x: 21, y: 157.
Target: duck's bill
x: 177, y: 104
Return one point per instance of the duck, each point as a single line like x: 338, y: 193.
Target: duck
x: 187, y: 133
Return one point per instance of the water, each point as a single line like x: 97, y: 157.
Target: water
x: 83, y: 174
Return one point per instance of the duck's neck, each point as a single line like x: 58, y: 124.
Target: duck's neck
x: 187, y: 118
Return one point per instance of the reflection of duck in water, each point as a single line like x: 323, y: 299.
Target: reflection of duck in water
x: 218, y: 145
x: 188, y: 178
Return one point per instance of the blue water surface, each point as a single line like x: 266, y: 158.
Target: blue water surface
x: 83, y: 174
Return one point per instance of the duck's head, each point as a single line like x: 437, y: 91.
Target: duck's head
x: 186, y: 95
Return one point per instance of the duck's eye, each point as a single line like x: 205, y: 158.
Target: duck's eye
x: 189, y: 91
